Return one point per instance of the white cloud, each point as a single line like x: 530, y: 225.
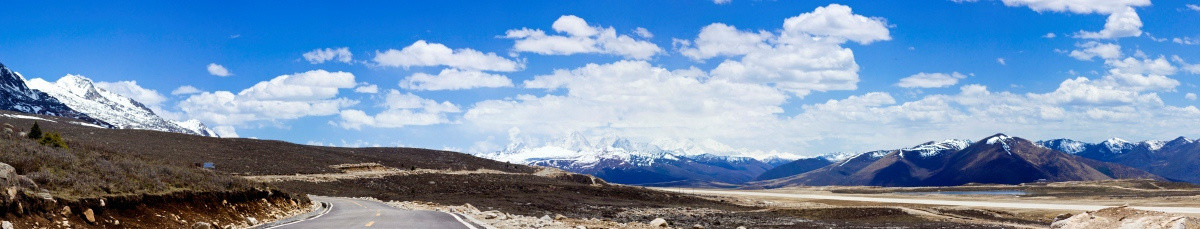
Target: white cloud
x: 805, y: 56
x: 635, y: 99
x: 1190, y: 96
x: 643, y: 32
x: 185, y: 90
x: 131, y: 90
x: 930, y: 80
x: 722, y: 2
x: 1077, y: 6
x: 839, y: 22
x: 312, y: 93
x: 1190, y: 68
x: 218, y: 70
x: 579, y: 37
x: 225, y: 131
x: 422, y: 53
x: 1193, y: 7
x: 963, y: 1
x: 1001, y: 61
x: 1123, y: 20
x: 402, y: 110
x: 310, y: 85
x: 1092, y: 49
x: 720, y: 39
x: 454, y: 79
x: 1185, y: 41
x: 318, y: 56
x: 367, y: 88
x: 1050, y: 35
x: 1124, y: 23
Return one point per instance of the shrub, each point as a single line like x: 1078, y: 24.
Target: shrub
x: 35, y: 132
x: 53, y: 139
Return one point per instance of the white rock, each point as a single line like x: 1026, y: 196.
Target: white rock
x: 6, y: 225
x: 658, y: 222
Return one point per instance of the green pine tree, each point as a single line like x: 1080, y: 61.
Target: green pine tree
x: 35, y: 132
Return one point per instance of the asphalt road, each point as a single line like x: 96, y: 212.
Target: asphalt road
x: 919, y: 200
x: 354, y: 213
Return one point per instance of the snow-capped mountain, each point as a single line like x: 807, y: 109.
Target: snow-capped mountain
x: 81, y: 94
x: 1177, y: 159
x: 15, y: 95
x: 621, y: 160
x: 998, y: 159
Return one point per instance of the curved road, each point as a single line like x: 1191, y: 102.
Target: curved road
x: 355, y: 213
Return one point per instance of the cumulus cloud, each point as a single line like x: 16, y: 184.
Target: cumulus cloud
x: 722, y: 2
x: 185, y: 90
x: 367, y: 88
x: 1124, y: 23
x: 312, y: 93
x: 1193, y: 7
x: 635, y: 99
x: 805, y: 56
x: 402, y: 109
x: 719, y: 39
x: 578, y: 37
x: 1001, y: 61
x: 133, y: 91
x: 931, y: 80
x: 1092, y: 49
x: 1190, y: 96
x: 1123, y: 20
x: 218, y: 70
x: 1190, y: 68
x: 318, y: 56
x: 838, y: 22
x: 422, y: 53
x: 454, y: 79
x: 1050, y: 35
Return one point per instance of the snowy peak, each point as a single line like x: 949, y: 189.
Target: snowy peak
x: 1065, y: 145
x: 16, y: 95
x: 1117, y: 145
x: 934, y: 148
x: 81, y: 94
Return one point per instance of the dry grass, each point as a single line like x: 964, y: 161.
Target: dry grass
x: 80, y: 173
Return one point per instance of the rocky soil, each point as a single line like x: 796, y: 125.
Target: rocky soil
x: 1124, y: 217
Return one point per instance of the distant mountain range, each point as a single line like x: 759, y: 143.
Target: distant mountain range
x: 78, y: 97
x: 1177, y: 159
x: 622, y: 160
x: 999, y: 159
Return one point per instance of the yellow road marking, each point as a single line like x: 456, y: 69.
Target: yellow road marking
x: 369, y: 224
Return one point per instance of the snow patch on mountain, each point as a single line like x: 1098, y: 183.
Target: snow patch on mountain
x: 1002, y: 140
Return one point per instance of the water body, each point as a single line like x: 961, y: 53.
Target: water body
x: 986, y: 192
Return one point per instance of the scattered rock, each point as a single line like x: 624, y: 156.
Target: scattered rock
x: 559, y: 217
x: 658, y: 222
x: 65, y: 211
x: 490, y: 215
x: 580, y: 227
x: 89, y: 215
x: 6, y: 225
x: 252, y: 220
x: 741, y: 227
x: 546, y: 218
x: 202, y: 225
x: 697, y: 226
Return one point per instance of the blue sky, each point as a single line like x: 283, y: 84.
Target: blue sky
x: 829, y: 82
